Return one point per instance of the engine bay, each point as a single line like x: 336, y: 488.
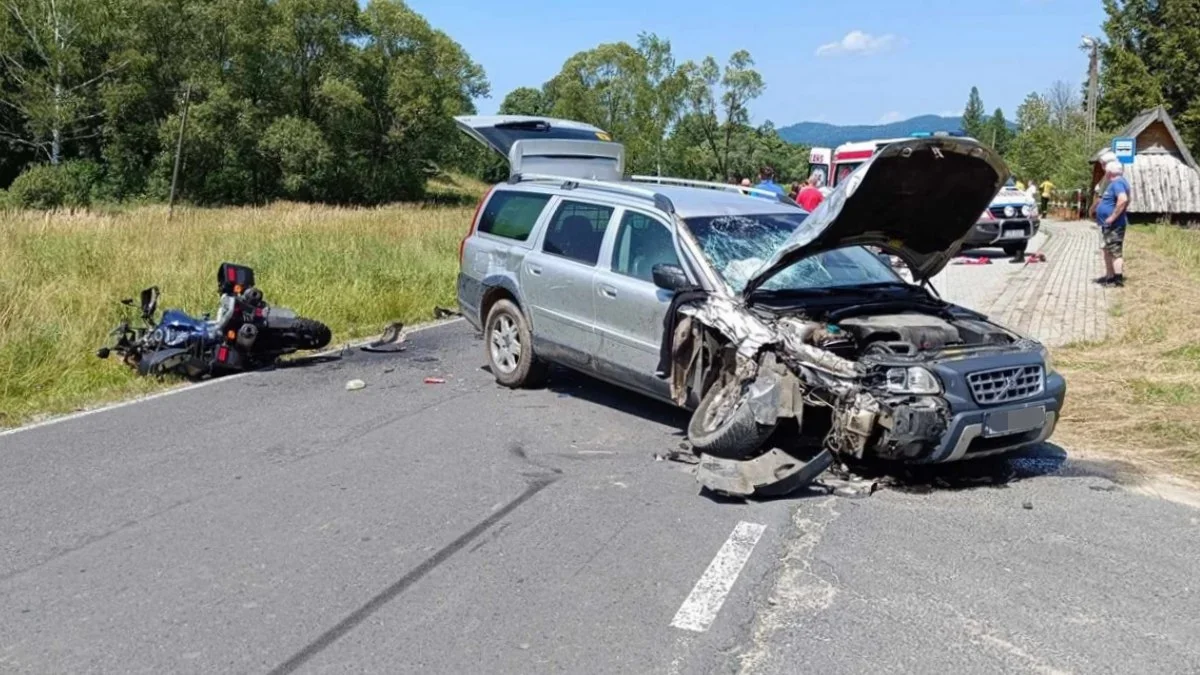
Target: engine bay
x: 903, y: 334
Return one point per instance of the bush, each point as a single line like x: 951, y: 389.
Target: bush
x: 5, y: 200
x: 44, y: 186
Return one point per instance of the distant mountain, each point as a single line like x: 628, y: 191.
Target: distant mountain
x: 821, y: 134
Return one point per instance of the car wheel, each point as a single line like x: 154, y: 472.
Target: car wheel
x: 723, y: 425
x: 509, y: 346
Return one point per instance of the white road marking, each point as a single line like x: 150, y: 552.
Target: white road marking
x: 700, y: 608
x: 197, y: 385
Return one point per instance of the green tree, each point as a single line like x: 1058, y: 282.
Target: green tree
x: 1151, y: 56
x: 996, y: 132
x: 48, y: 49
x: 525, y: 101
x: 973, y: 122
x: 1051, y: 139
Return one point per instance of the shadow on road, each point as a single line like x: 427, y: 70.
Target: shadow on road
x: 567, y: 383
x: 1046, y: 460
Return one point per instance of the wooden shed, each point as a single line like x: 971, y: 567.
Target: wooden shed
x: 1163, y: 178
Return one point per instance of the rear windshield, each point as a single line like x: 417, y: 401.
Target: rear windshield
x: 512, y: 214
x: 504, y: 135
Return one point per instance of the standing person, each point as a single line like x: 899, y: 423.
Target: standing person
x: 1031, y: 192
x: 1020, y: 185
x: 1047, y: 188
x: 1094, y: 201
x: 810, y: 197
x: 1112, y: 218
x: 766, y: 181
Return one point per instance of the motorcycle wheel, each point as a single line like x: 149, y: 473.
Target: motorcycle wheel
x: 311, y: 334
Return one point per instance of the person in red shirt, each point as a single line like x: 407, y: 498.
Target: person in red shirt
x: 810, y: 197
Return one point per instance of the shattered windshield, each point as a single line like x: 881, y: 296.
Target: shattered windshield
x: 737, y: 246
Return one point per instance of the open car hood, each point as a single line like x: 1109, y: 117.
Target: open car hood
x: 916, y: 199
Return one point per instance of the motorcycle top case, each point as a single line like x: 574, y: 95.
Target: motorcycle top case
x: 232, y: 279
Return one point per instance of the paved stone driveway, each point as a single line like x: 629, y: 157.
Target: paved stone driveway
x: 1054, y: 301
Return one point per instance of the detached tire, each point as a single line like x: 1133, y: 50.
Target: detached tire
x: 312, y: 334
x: 723, y: 424
x: 508, y: 344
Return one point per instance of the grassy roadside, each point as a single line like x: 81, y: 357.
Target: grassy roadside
x: 1136, y: 396
x: 61, y: 276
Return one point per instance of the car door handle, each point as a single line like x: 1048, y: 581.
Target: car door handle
x: 608, y: 291
x: 534, y: 269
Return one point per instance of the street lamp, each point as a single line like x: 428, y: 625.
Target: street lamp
x: 1091, y: 45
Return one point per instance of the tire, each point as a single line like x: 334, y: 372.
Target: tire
x: 1015, y: 250
x: 311, y: 334
x: 508, y: 345
x: 733, y: 434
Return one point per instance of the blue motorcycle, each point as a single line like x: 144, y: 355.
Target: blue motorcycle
x: 247, y: 333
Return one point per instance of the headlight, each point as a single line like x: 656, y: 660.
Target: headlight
x: 1047, y: 360
x: 1009, y: 212
x: 1025, y: 210
x: 912, y: 380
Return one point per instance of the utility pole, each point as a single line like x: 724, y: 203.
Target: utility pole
x: 1092, y: 46
x: 187, y: 97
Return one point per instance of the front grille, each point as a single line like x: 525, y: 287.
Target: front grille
x: 998, y: 212
x: 1003, y: 385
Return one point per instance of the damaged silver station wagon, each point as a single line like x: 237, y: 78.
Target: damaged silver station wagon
x: 753, y: 313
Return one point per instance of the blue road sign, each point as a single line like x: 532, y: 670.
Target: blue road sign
x: 1124, y: 148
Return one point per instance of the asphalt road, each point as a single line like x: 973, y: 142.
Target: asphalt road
x: 277, y: 523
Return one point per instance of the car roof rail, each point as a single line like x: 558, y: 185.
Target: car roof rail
x: 712, y: 185
x: 661, y: 201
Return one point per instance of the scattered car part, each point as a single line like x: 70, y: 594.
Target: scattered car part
x: 391, y: 341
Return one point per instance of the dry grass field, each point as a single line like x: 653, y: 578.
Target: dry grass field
x: 1136, y: 396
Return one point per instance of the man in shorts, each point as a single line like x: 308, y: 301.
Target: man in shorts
x: 1112, y: 217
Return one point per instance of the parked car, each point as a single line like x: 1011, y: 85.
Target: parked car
x: 749, y: 311
x: 1009, y: 222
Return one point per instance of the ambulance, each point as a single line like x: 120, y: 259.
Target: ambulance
x: 832, y: 165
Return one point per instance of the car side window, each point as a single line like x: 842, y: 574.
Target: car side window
x: 577, y: 230
x: 642, y: 243
x: 512, y: 215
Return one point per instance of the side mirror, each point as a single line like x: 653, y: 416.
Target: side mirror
x: 670, y: 277
x: 149, y: 301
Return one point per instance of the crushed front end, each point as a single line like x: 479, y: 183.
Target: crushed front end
x: 908, y: 387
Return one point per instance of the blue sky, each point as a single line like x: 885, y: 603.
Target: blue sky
x: 838, y: 61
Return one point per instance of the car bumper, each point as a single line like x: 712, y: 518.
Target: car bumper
x: 470, y: 298
x: 1002, y: 231
x: 967, y: 434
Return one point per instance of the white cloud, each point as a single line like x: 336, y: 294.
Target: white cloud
x: 858, y: 42
x: 889, y: 117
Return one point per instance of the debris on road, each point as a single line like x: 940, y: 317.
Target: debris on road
x: 683, y: 455
x: 771, y: 474
x: 1036, y: 257
x: 1028, y: 506
x: 355, y: 385
x: 443, y: 313
x: 967, y: 260
x: 391, y: 341
x: 435, y: 380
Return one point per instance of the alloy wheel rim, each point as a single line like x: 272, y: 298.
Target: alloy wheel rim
x: 505, y: 344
